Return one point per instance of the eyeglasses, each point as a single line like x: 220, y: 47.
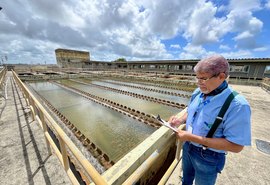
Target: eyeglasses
x: 203, y: 80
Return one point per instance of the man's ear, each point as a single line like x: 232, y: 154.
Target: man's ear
x: 222, y: 76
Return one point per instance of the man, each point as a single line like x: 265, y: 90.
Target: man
x: 204, y: 157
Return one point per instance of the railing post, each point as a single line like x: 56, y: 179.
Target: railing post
x: 179, y: 144
x: 64, y: 154
x: 32, y: 107
x: 45, y: 130
x: 26, y: 96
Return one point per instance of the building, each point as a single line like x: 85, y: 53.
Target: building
x: 67, y: 58
x: 253, y: 68
x: 247, y: 68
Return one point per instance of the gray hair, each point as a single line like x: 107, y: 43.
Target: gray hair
x: 214, y: 65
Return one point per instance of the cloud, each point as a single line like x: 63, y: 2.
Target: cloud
x: 237, y: 54
x: 243, y: 22
x: 29, y: 51
x: 248, y: 29
x: 63, y: 13
x: 167, y: 18
x: 202, y: 26
x: 261, y: 49
x: 176, y: 46
x: 267, y: 5
x: 224, y: 47
x: 205, y: 27
x: 244, y: 5
x: 99, y: 26
x: 193, y: 52
x: 243, y: 35
x: 198, y: 52
x: 134, y: 29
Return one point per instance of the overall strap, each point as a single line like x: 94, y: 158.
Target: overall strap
x: 194, y: 96
x: 221, y: 113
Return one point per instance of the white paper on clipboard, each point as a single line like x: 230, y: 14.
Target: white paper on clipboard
x: 166, y: 124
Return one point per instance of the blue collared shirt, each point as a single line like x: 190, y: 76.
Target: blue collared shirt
x: 235, y: 127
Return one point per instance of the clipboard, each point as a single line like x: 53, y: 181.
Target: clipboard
x: 165, y: 123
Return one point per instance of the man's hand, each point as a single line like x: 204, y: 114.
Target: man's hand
x: 174, y: 121
x: 183, y: 135
x: 178, y: 119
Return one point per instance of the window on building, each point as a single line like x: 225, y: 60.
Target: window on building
x: 239, y: 68
x: 142, y: 66
x: 162, y: 66
x: 152, y: 66
x: 189, y: 67
x: 267, y: 70
x: 178, y: 67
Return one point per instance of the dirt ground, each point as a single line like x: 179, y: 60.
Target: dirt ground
x: 251, y: 166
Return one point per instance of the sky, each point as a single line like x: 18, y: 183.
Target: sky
x: 31, y: 30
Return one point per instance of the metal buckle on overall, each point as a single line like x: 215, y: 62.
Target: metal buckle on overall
x: 220, y: 118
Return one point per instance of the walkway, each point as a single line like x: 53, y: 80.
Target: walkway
x: 23, y: 153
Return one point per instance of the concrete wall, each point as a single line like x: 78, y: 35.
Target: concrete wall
x: 71, y: 58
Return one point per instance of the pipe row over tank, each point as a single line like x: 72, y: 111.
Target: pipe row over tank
x: 150, y: 89
x: 96, y: 152
x: 183, y: 86
x: 148, y: 98
x: 135, y: 114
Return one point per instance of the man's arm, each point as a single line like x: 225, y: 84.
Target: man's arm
x: 216, y: 143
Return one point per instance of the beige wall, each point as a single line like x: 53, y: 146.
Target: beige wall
x: 71, y: 58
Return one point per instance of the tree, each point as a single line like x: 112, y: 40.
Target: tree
x: 120, y: 60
